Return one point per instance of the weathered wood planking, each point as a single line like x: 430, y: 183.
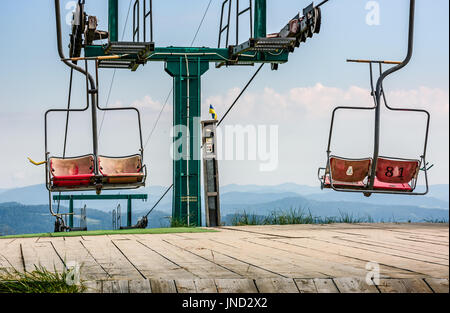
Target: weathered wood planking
x: 360, y: 244
x: 306, y: 285
x: 325, y: 285
x: 198, y: 266
x: 140, y: 286
x: 292, y: 258
x: 417, y: 267
x: 236, y: 286
x: 329, y: 264
x: 93, y: 286
x: 72, y: 250
x: 37, y: 254
x: 163, y: 286
x: 438, y: 285
x: 151, y: 264
x: 238, y: 266
x: 392, y: 286
x: 276, y: 285
x: 344, y: 260
x: 354, y: 285
x: 110, y: 259
x: 398, y: 245
x: 11, y: 256
x: 264, y: 258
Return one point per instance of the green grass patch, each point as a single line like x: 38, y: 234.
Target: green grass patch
x: 39, y: 281
x: 152, y: 231
x: 295, y: 217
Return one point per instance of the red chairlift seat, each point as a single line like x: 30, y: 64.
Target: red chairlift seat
x: 396, y: 174
x: 71, y: 172
x: 126, y: 170
x: 347, y: 173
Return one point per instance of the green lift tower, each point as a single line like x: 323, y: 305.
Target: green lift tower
x: 186, y: 65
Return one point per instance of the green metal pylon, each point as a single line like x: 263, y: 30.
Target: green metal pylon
x: 186, y: 202
x: 186, y: 65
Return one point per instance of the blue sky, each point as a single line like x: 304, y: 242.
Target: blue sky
x: 32, y: 80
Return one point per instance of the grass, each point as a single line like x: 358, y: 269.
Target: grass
x: 436, y: 221
x: 39, y: 281
x: 154, y: 231
x: 295, y: 217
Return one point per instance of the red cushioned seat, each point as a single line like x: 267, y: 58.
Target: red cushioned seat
x: 343, y: 184
x: 395, y: 171
x: 379, y: 185
x: 72, y: 172
x: 127, y: 170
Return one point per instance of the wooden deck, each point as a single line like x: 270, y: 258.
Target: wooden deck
x: 265, y: 259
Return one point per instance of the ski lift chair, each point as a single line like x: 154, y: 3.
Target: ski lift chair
x: 71, y: 173
x: 380, y: 174
x: 122, y: 171
x: 347, y: 173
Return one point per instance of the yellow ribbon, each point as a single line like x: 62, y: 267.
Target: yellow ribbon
x: 36, y: 163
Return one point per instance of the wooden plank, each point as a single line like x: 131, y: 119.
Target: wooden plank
x: 280, y: 263
x: 389, y: 238
x: 163, y: 286
x: 151, y: 264
x: 110, y: 259
x: 11, y: 257
x: 409, y: 247
x: 325, y: 285
x: 332, y: 246
x: 331, y: 266
x: 354, y: 285
x: 41, y: 254
x: 276, y: 285
x: 331, y: 257
x: 416, y: 285
x: 394, y: 251
x: 139, y: 286
x: 73, y: 251
x: 120, y: 286
x: 195, y: 286
x: 107, y: 286
x: 306, y: 285
x: 438, y: 285
x: 205, y: 285
x: 198, y: 266
x: 236, y: 286
x: 392, y: 286
x: 240, y: 267
x: 93, y: 286
x: 185, y: 286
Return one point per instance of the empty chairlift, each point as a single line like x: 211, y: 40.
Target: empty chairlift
x: 377, y: 174
x: 93, y: 171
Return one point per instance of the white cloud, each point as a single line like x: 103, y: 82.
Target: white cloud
x: 318, y: 101
x: 149, y: 105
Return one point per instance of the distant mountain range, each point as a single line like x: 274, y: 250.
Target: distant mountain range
x: 17, y: 218
x: 253, y: 199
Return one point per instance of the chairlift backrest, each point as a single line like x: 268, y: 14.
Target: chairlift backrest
x: 72, y: 166
x: 397, y: 171
x: 350, y: 171
x: 117, y: 166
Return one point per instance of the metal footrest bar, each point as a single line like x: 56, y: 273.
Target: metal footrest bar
x: 265, y: 45
x: 124, y: 47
